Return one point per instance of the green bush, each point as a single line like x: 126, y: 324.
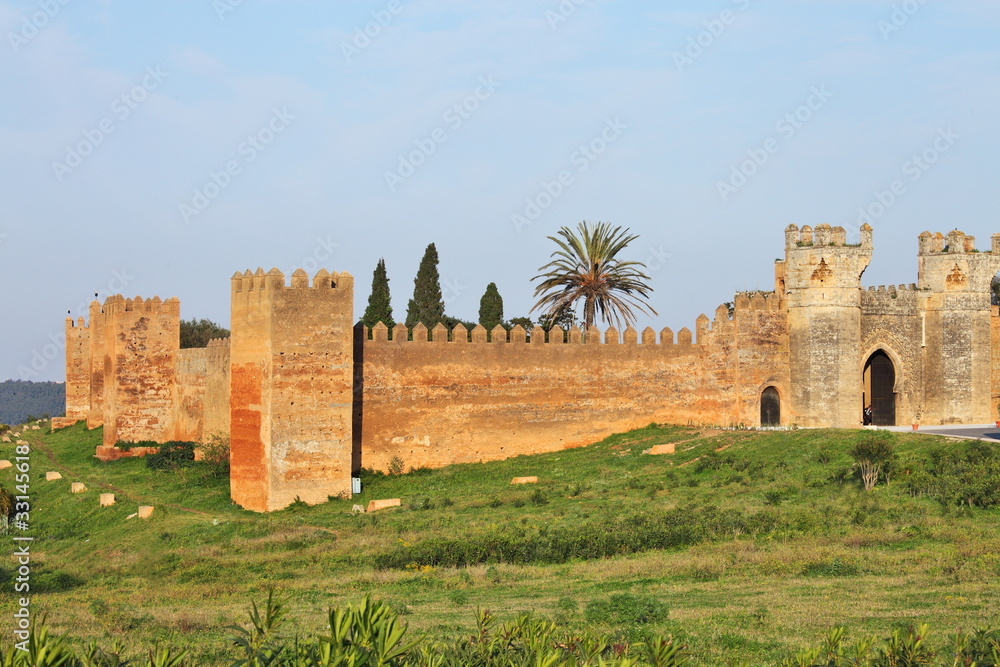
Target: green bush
x: 215, y: 453
x: 966, y: 474
x: 171, y: 455
x: 873, y: 455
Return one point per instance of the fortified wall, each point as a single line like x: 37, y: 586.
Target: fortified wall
x: 308, y: 397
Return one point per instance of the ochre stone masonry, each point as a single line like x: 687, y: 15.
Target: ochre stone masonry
x: 307, y: 397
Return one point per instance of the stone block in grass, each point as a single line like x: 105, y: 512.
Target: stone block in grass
x: 524, y: 480
x: 375, y: 505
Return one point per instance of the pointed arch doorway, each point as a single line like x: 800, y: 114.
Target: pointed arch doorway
x: 770, y: 407
x: 879, y: 383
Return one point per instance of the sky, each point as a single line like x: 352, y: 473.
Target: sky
x: 156, y: 148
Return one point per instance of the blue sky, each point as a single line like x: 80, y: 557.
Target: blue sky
x: 156, y: 148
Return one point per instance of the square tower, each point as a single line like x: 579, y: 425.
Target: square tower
x: 291, y: 385
x: 823, y: 287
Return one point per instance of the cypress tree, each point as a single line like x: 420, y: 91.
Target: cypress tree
x: 379, y: 305
x: 491, y: 307
x: 427, y: 304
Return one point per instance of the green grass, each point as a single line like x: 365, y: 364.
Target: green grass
x: 776, y: 549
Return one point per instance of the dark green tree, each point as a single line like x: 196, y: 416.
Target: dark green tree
x: 526, y: 322
x: 197, y: 333
x: 491, y: 307
x: 427, y: 304
x: 379, y: 306
x: 564, y: 319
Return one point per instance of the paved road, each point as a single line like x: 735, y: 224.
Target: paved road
x: 977, y: 431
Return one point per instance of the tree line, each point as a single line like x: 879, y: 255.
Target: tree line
x: 22, y: 399
x: 585, y: 272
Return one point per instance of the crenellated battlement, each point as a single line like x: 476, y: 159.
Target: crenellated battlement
x: 117, y: 304
x: 824, y: 236
x: 955, y: 242
x: 747, y: 301
x: 402, y: 335
x: 274, y: 280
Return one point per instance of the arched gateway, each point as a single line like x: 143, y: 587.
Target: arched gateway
x: 879, y: 384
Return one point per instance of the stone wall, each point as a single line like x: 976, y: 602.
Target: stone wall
x: 306, y: 397
x: 216, y: 421
x: 892, y: 321
x: 189, y: 399
x: 432, y: 403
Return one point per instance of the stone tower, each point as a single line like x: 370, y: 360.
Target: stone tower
x: 291, y: 388
x: 141, y: 338
x: 955, y: 280
x: 822, y: 277
x: 77, y: 371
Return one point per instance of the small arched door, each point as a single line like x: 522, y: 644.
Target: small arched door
x: 880, y: 380
x: 770, y: 407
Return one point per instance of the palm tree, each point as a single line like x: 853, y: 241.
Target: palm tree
x: 586, y: 267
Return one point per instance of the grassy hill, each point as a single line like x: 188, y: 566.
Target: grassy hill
x: 743, y: 545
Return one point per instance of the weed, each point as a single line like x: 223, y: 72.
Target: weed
x: 396, y: 466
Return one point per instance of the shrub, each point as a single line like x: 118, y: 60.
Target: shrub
x: 171, y: 456
x: 967, y: 474
x: 396, y: 466
x: 873, y: 454
x: 422, y: 504
x: 215, y: 454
